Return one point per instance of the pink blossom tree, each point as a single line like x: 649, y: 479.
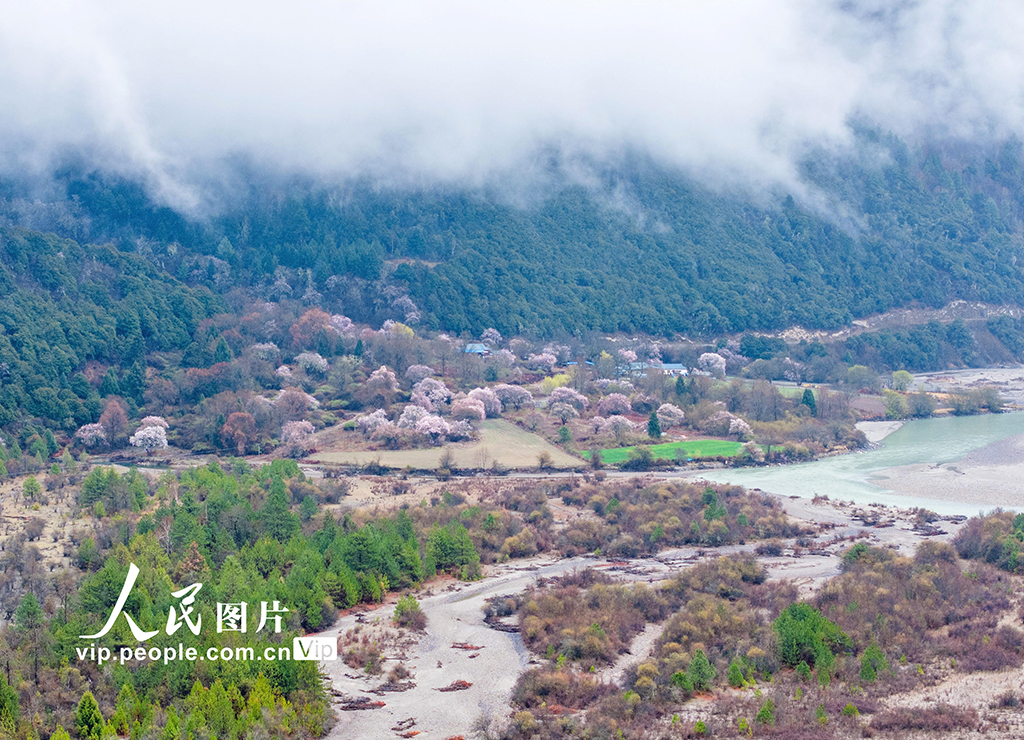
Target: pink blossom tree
x: 416, y: 373
x: 91, y: 435
x: 567, y: 395
x: 468, y: 408
x: 153, y: 421
x: 491, y: 336
x: 434, y: 390
x: 490, y: 400
x: 382, y: 385
x: 613, y: 404
x: 513, y: 396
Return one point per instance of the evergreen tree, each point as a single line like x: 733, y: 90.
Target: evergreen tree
x: 701, y: 673
x: 88, y: 718
x: 222, y: 353
x: 29, y: 615
x: 653, y: 426
x: 110, y: 386
x: 277, y: 520
x: 809, y: 401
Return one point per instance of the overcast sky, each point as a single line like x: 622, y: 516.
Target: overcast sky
x: 461, y: 90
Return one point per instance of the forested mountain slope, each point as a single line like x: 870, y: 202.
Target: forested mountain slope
x: 63, y: 305
x: 639, y: 248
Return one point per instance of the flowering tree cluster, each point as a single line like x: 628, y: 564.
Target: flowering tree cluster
x: 284, y: 371
x: 491, y: 336
x: 713, y: 363
x: 311, y: 362
x: 294, y: 432
x: 617, y: 425
x: 489, y: 399
x: 411, y: 416
x: 153, y: 421
x: 670, y: 416
x: 265, y: 351
x: 468, y: 408
x: 513, y: 396
x: 149, y: 438
x: 433, y: 427
x: 545, y: 361
x: 369, y: 423
x: 431, y: 394
x: 567, y: 395
x: 416, y: 373
x: 382, y: 384
x: 603, y: 384
x: 563, y: 411
x: 614, y: 403
x: 91, y: 435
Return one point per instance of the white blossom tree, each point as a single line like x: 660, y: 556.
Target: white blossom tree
x: 713, y: 363
x: 311, y: 362
x: 670, y: 415
x: 411, y: 416
x: 149, y: 438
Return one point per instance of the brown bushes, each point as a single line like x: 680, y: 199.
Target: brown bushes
x: 937, y: 718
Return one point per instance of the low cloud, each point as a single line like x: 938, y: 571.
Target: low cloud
x: 412, y: 92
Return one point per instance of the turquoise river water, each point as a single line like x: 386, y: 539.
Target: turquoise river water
x: 849, y: 477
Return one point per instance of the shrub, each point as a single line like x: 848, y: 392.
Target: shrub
x: 937, y: 718
x: 805, y: 634
x: 408, y: 614
x: 766, y: 714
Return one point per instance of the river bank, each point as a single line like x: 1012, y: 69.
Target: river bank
x: 455, y: 619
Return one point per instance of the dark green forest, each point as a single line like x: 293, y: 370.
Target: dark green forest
x: 646, y: 249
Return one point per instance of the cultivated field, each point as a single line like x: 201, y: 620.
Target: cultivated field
x: 693, y: 449
x: 499, y: 441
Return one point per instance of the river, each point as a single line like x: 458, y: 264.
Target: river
x: 943, y: 464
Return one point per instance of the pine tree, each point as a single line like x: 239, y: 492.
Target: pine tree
x: 701, y: 672
x: 653, y: 426
x: 88, y: 718
x: 110, y: 386
x: 809, y: 401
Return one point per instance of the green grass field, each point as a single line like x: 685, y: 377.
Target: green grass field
x: 695, y: 449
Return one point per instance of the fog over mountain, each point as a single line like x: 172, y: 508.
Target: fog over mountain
x: 464, y: 92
